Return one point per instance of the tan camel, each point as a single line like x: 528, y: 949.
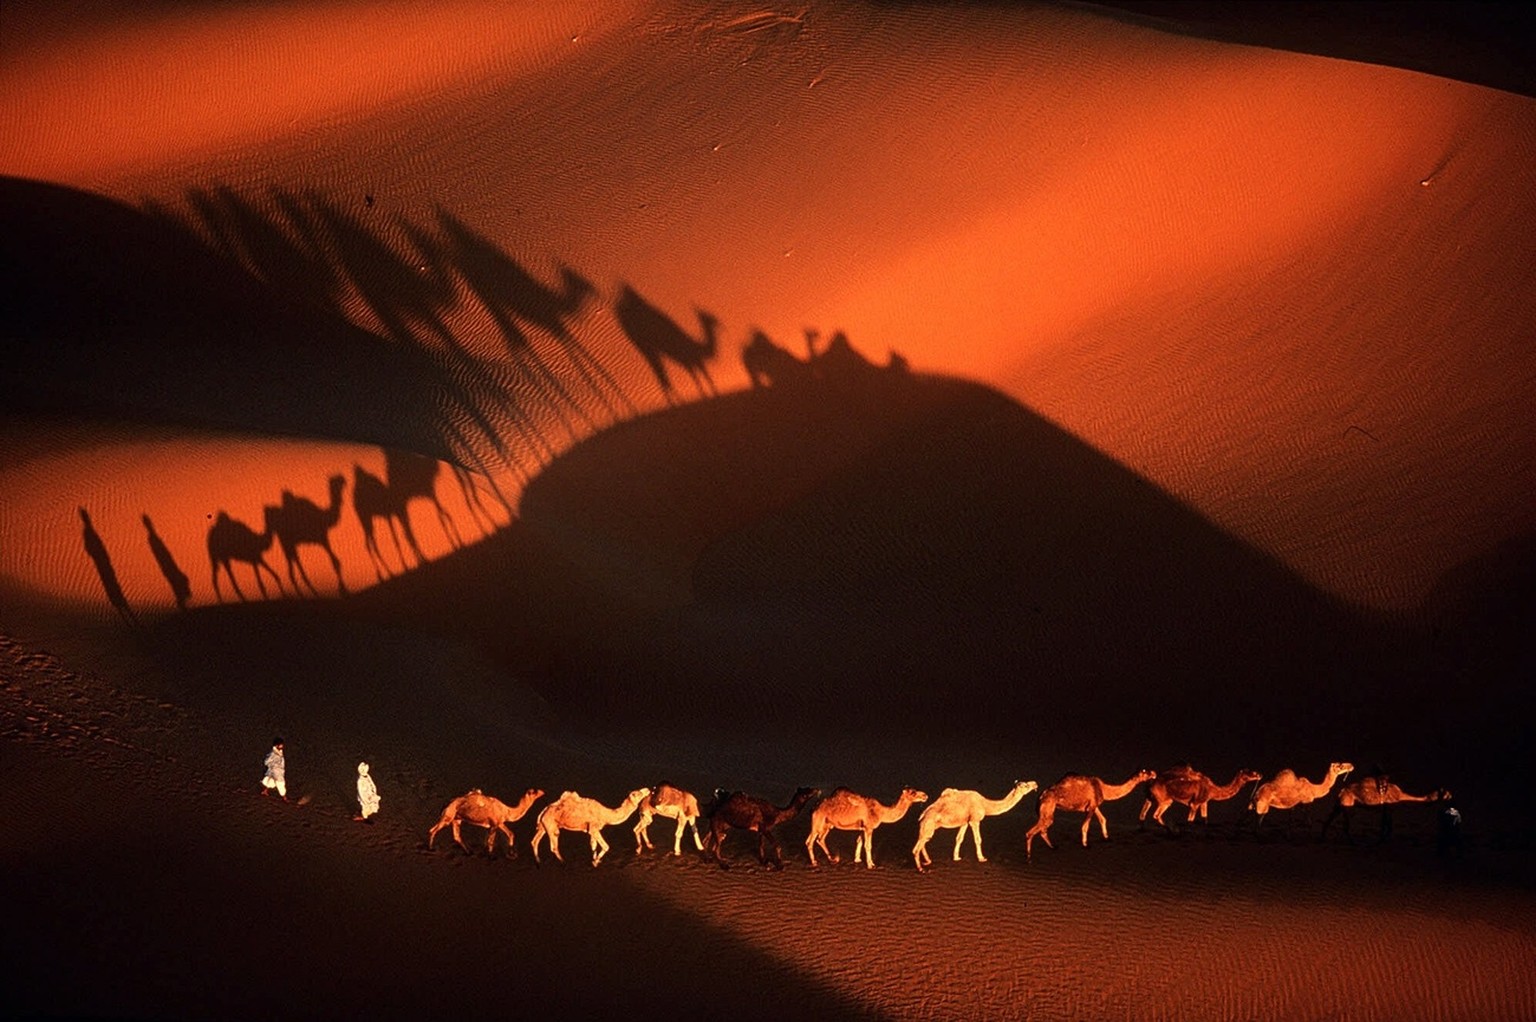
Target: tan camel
x: 1188, y: 786
x: 846, y: 810
x: 673, y: 803
x: 1286, y: 790
x: 963, y: 809
x: 572, y: 811
x: 482, y: 810
x: 1081, y: 794
x: 1375, y: 793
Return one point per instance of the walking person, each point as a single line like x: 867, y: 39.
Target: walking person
x: 367, y: 794
x: 276, y: 770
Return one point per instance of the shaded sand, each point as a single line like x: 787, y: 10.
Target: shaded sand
x: 749, y: 397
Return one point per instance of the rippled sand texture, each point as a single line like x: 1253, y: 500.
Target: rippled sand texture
x: 753, y: 396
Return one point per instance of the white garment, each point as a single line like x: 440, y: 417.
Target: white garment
x: 276, y: 771
x: 367, y: 791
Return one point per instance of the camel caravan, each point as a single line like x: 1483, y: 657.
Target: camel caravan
x: 961, y: 810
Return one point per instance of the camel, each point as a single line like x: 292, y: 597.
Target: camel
x: 298, y: 521
x: 1375, y: 793
x: 844, y: 809
x: 514, y: 299
x: 572, y: 811
x: 1286, y: 790
x: 964, y: 810
x: 231, y: 540
x: 749, y: 812
x: 660, y: 340
x: 674, y: 803
x: 769, y: 365
x: 482, y: 810
x: 407, y: 477
x: 1081, y: 794
x: 1188, y: 786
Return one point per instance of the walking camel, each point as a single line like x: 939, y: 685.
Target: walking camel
x: 845, y: 809
x: 673, y: 803
x: 1286, y: 790
x: 1375, y: 793
x: 1081, y: 794
x: 572, y: 811
x: 749, y: 812
x: 482, y: 810
x: 1189, y: 787
x: 298, y: 521
x: 660, y: 340
x: 964, y: 810
x: 407, y: 477
x: 231, y: 540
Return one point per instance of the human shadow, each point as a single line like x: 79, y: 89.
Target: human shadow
x: 181, y: 586
x: 96, y: 549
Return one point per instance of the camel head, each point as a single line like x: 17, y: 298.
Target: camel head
x: 910, y: 795
x: 1245, y: 776
x: 1441, y: 795
x: 1025, y: 787
x: 804, y: 795
x: 1145, y: 775
x: 1340, y: 769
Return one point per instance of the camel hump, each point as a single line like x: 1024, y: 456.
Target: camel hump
x: 950, y: 792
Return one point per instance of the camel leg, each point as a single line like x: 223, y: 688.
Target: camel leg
x: 341, y: 587
x: 693, y: 825
x: 1087, y: 823
x: 538, y: 836
x: 458, y: 838
x: 511, y: 840
x: 554, y: 843
x: 868, y: 840
x: 976, y: 837
x: 717, y: 840
x: 1141, y: 817
x: 810, y: 845
x: 599, y: 846
x: 1098, y: 814
x: 677, y: 839
x: 959, y: 840
x: 642, y: 837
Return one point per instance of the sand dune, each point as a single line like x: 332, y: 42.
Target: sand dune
x: 749, y: 397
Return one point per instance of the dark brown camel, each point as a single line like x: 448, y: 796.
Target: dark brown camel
x: 1377, y: 792
x: 748, y: 812
x: 230, y: 540
x: 297, y: 522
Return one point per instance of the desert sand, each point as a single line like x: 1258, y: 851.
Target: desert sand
x: 586, y: 395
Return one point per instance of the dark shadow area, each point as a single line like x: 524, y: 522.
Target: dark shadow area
x: 1484, y: 43
x: 114, y: 312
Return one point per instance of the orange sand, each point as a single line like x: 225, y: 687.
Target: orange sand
x: 1185, y: 415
